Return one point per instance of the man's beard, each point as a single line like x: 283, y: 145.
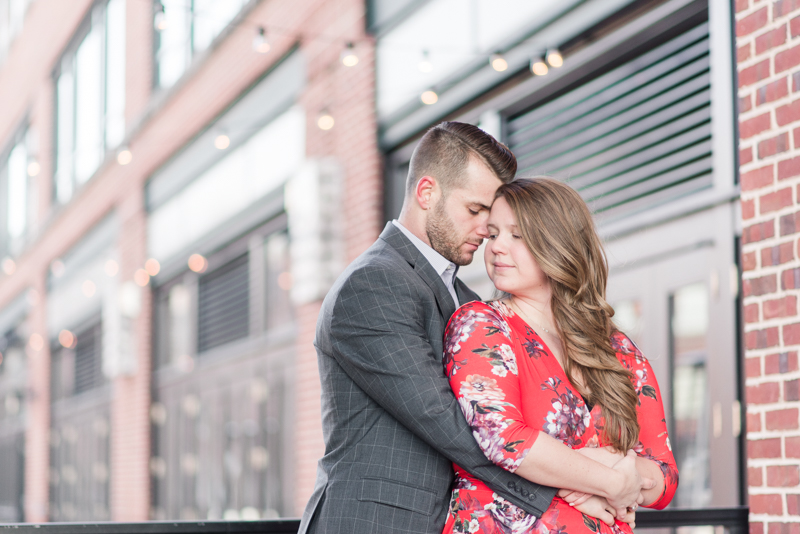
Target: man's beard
x: 443, y: 237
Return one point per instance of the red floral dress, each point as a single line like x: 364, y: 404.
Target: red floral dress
x: 511, y: 387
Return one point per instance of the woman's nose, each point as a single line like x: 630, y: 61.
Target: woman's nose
x: 496, y: 246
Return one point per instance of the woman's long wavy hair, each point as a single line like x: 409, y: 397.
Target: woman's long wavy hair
x: 558, y: 229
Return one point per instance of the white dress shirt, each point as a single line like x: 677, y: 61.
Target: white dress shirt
x: 445, y: 268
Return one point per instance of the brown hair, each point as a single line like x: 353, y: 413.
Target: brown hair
x: 558, y: 229
x: 444, y: 151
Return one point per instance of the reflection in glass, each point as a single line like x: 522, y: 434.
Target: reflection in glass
x: 17, y: 191
x: 279, y: 280
x: 628, y: 318
x: 88, y: 86
x: 690, y: 400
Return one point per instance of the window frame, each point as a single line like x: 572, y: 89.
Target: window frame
x: 96, y: 19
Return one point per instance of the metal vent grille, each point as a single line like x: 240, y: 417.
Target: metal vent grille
x: 636, y: 137
x: 88, y: 359
x: 224, y: 305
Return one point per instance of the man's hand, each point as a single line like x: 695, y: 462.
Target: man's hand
x: 608, y: 456
x: 629, y: 493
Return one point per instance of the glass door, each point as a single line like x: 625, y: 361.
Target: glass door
x: 674, y: 290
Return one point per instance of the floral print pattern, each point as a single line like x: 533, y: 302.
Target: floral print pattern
x: 510, y: 387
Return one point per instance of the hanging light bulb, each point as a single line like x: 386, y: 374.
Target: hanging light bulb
x: 348, y: 56
x: 538, y: 66
x: 260, y: 43
x: 160, y: 19
x: 425, y: 65
x: 124, y: 156
x: 33, y: 167
x: 429, y: 97
x: 554, y: 58
x: 222, y: 141
x: 325, y: 120
x: 498, y: 62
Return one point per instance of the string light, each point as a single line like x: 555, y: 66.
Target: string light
x: 260, y: 43
x: 429, y: 97
x: 222, y: 141
x: 141, y: 277
x: 498, y: 62
x: 67, y: 339
x: 160, y: 18
x: 9, y: 266
x: 111, y: 268
x: 34, y: 168
x: 197, y: 263
x: 554, y: 58
x: 88, y: 288
x: 425, y: 65
x: 348, y: 56
x: 152, y: 266
x: 124, y: 156
x: 538, y: 66
x: 325, y: 120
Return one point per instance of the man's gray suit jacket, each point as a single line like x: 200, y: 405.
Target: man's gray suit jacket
x: 391, y: 423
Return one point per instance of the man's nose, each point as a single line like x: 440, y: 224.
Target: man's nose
x: 483, y: 230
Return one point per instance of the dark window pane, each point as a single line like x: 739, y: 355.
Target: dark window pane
x: 223, y: 302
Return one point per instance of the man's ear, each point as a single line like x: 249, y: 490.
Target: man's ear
x: 427, y: 192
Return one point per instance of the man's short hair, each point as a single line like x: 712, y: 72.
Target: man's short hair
x: 444, y: 151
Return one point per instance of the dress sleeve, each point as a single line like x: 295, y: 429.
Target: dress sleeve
x: 653, y: 439
x: 481, y: 365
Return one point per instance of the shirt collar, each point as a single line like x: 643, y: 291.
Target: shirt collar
x: 437, y: 261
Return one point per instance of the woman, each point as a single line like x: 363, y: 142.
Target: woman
x: 547, y: 362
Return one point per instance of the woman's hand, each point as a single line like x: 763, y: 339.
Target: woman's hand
x: 597, y: 507
x: 628, y: 489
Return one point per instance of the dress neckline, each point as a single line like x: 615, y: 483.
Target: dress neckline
x: 509, y: 314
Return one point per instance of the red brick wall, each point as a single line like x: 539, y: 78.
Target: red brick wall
x: 768, y: 53
x: 159, y: 125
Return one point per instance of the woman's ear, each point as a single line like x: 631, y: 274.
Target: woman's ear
x: 427, y: 192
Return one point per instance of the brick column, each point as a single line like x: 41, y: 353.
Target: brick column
x: 768, y: 55
x: 37, y: 434
x: 348, y: 93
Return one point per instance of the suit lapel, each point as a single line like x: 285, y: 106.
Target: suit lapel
x: 464, y: 293
x: 395, y: 238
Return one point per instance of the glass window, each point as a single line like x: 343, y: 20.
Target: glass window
x: 690, y: 398
x: 223, y: 305
x: 90, y: 98
x: 18, y: 205
x: 12, y: 424
x: 12, y: 17
x: 17, y: 191
x: 186, y: 27
x: 79, y: 431
x: 224, y: 430
x: 279, y: 280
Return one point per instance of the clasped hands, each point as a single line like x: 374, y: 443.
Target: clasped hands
x: 626, y: 499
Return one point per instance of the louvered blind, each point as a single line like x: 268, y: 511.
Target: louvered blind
x: 224, y: 304
x: 633, y: 138
x: 88, y: 359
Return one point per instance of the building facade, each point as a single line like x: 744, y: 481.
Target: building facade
x: 176, y: 209
x: 182, y: 180
x: 768, y: 58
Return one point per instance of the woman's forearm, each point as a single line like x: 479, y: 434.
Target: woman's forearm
x: 551, y: 463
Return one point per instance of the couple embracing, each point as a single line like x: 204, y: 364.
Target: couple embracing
x: 442, y: 413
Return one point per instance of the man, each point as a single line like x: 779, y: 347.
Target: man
x: 391, y: 423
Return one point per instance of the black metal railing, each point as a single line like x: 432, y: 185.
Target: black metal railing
x: 734, y: 519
